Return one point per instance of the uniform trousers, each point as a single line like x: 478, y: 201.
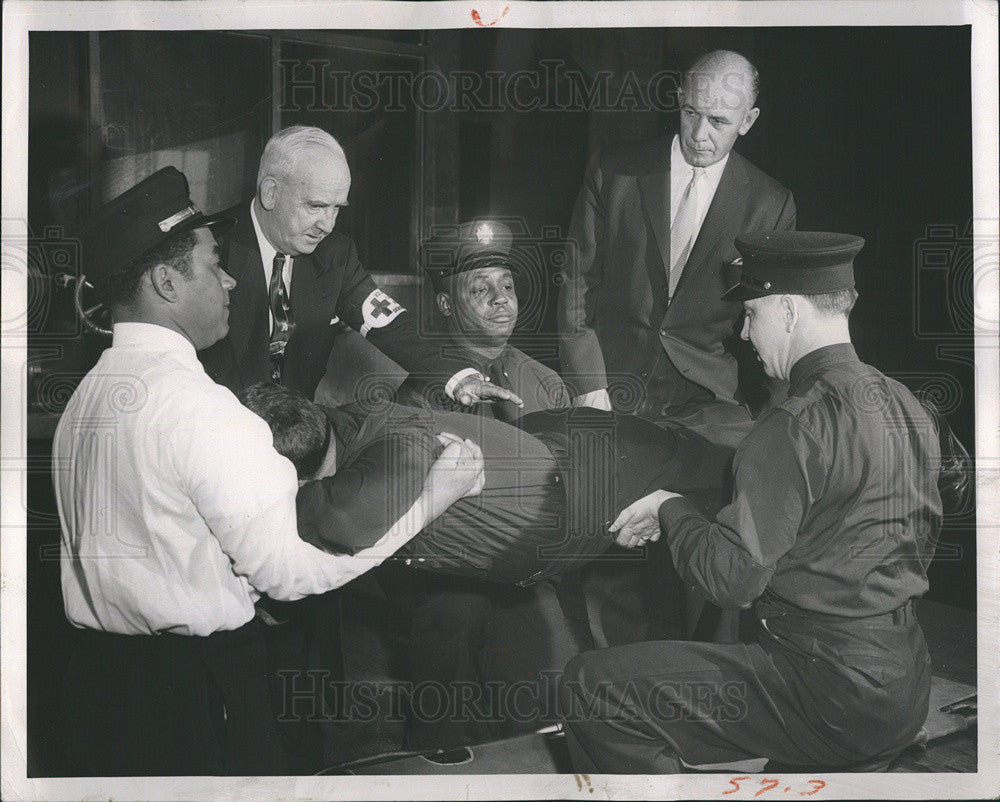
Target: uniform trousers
x: 151, y: 705
x: 651, y: 708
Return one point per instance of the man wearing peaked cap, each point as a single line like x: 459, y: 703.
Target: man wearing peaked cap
x: 480, y: 243
x: 471, y: 267
x: 176, y: 514
x: 834, y: 518
x: 795, y: 262
x: 472, y: 270
x: 158, y: 208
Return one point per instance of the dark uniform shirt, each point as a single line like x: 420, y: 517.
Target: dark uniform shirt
x: 835, y: 504
x: 538, y: 386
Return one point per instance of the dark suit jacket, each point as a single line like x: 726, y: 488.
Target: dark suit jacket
x: 614, y: 320
x: 326, y: 284
x: 552, y: 485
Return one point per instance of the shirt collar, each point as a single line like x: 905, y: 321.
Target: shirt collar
x: 805, y: 371
x: 267, y: 250
x: 344, y: 427
x: 151, y: 337
x: 677, y: 162
x: 480, y: 361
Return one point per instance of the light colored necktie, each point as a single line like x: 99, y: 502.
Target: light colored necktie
x: 683, y: 231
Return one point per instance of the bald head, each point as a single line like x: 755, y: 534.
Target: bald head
x: 741, y: 72
x: 717, y: 106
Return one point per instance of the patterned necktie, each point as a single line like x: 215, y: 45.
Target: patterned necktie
x: 682, y: 230
x: 283, y: 323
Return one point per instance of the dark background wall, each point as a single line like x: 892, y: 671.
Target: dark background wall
x: 869, y: 127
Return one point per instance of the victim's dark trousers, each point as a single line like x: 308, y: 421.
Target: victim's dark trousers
x: 447, y: 622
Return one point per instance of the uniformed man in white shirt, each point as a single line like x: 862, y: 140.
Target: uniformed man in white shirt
x: 177, y: 513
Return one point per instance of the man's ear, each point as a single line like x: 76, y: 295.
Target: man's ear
x: 790, y: 312
x: 164, y: 281
x: 444, y: 303
x: 749, y: 119
x: 267, y: 194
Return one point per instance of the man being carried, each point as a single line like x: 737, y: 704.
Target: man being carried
x: 551, y: 484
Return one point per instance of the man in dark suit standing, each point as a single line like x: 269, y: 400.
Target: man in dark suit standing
x: 640, y: 309
x: 651, y: 235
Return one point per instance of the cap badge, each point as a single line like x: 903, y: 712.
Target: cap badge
x: 484, y: 233
x: 183, y: 214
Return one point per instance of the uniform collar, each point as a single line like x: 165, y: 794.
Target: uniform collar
x: 480, y: 361
x: 807, y: 369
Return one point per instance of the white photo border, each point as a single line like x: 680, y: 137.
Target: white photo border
x: 21, y: 17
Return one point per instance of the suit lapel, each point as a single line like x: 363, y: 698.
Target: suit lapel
x: 654, y: 188
x: 304, y: 288
x: 720, y: 228
x: 248, y: 300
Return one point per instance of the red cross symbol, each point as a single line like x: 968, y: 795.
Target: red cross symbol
x: 383, y: 306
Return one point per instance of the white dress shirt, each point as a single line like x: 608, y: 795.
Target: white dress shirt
x: 176, y: 510
x: 680, y: 177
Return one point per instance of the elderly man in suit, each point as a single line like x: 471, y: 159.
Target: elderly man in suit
x: 299, y: 281
x: 640, y: 308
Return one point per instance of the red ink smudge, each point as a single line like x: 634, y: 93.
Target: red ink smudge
x: 479, y: 20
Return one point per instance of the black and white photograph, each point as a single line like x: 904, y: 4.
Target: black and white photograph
x: 500, y: 400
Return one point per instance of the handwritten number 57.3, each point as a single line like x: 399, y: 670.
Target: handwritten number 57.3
x: 768, y: 784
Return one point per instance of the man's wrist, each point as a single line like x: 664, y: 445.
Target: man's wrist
x: 458, y: 378
x: 675, y: 509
